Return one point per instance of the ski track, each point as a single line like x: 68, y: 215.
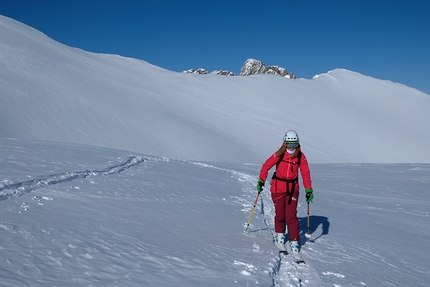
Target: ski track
x: 24, y: 187
x: 284, y: 271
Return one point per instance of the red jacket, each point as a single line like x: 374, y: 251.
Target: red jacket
x: 287, y: 169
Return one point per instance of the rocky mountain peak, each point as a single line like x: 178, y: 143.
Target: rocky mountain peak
x: 253, y: 67
x: 250, y: 67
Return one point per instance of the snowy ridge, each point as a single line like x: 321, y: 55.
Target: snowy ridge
x: 111, y: 101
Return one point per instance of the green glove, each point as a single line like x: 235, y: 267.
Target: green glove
x: 260, y: 185
x: 309, y: 195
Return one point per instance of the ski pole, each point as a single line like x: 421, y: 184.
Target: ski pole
x: 252, y: 211
x: 309, y: 234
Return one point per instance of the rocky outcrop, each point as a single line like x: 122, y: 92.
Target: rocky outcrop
x: 202, y: 71
x: 251, y: 67
x: 223, y: 73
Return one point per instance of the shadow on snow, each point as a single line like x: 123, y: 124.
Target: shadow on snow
x: 315, y: 221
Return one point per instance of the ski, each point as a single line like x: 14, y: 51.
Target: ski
x: 283, y: 250
x: 299, y: 260
x: 281, y: 247
x: 297, y: 257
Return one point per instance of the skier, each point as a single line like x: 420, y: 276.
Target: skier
x: 285, y: 187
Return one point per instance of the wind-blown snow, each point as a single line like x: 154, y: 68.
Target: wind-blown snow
x: 171, y: 210
x: 128, y: 104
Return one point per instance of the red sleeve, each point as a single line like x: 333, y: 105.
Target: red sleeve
x: 267, y: 165
x: 305, y: 172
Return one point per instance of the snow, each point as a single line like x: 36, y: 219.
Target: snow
x: 115, y: 172
x: 76, y: 215
x: 128, y: 104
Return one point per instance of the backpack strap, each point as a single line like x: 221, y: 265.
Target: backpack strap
x: 300, y: 157
x: 290, y: 193
x: 281, y: 158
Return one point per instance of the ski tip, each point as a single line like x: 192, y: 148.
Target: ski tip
x: 296, y: 260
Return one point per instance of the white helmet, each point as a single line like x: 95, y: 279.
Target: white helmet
x: 291, y: 136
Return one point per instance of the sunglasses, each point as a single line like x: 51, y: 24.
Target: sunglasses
x: 292, y: 144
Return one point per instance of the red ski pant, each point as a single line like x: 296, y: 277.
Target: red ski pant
x: 286, y: 214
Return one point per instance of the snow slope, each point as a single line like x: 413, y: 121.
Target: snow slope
x: 75, y: 215
x: 115, y: 172
x: 128, y: 104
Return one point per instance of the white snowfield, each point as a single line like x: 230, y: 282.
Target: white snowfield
x: 53, y: 92
x: 86, y: 216
x: 115, y: 172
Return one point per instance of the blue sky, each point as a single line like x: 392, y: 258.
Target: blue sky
x: 386, y: 39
